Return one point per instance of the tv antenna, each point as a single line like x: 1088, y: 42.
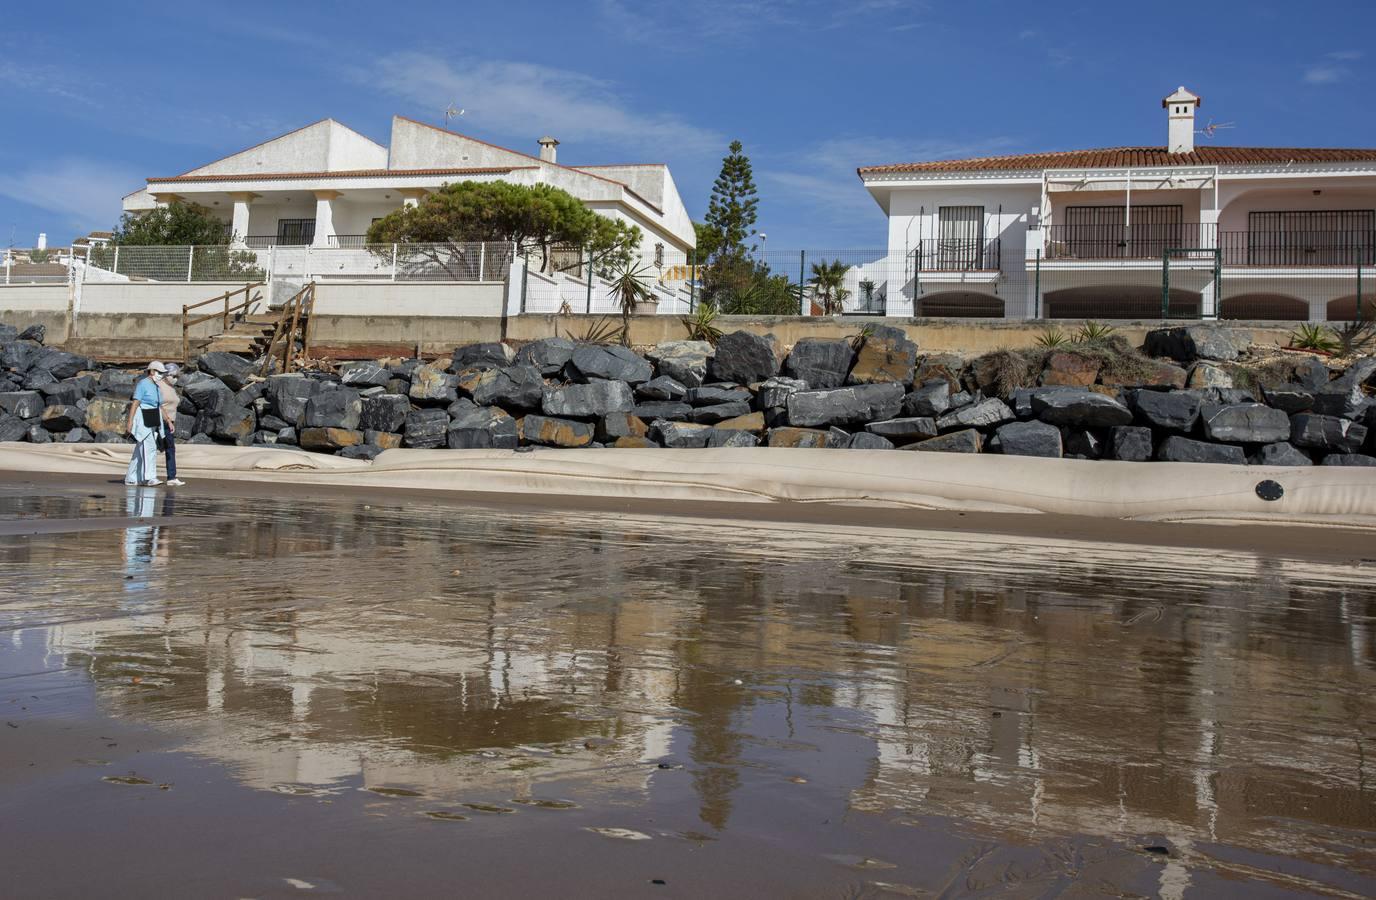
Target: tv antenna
x: 1210, y: 130
x: 452, y: 112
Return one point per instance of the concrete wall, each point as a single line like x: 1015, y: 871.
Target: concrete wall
x: 1239, y: 201
x: 410, y: 299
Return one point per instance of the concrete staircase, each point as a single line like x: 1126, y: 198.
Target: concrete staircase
x: 248, y: 336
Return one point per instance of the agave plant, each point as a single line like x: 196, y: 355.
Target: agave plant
x: 600, y: 331
x: 629, y: 286
x: 1052, y: 338
x: 1313, y: 337
x: 701, y: 324
x: 1093, y: 331
x: 1355, y: 337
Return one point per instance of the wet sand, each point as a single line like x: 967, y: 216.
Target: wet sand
x: 254, y: 690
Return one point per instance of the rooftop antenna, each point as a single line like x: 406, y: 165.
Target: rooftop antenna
x: 1209, y: 130
x: 452, y: 112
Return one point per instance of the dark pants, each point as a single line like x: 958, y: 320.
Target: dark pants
x: 171, y: 454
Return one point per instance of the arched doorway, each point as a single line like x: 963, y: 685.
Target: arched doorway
x: 1265, y: 307
x: 1118, y: 302
x: 960, y: 305
x: 1344, y: 309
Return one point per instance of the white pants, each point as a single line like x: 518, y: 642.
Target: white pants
x: 143, y: 465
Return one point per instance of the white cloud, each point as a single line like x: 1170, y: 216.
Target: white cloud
x: 1331, y: 70
x: 1345, y: 54
x: 526, y: 100
x: 83, y: 193
x: 739, y: 20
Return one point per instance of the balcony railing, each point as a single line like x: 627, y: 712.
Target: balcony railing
x: 263, y: 241
x: 957, y: 255
x: 1237, y: 248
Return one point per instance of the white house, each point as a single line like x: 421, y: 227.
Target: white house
x: 324, y: 184
x: 1236, y: 232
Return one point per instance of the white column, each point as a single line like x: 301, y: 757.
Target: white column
x: 1318, y: 310
x: 324, y: 218
x: 239, y: 224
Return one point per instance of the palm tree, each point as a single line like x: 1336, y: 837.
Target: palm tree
x: 827, y: 280
x: 629, y: 287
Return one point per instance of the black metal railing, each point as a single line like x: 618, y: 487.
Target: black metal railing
x: 1106, y: 241
x: 958, y: 255
x: 1298, y: 248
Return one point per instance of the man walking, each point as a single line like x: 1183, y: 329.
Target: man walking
x: 170, y: 402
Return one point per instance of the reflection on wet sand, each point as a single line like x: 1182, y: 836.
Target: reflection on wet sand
x: 1079, y: 713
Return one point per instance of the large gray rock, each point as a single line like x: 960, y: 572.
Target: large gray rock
x: 713, y: 394
x: 662, y: 409
x: 904, y: 430
x: 719, y: 412
x: 1244, y: 423
x: 37, y: 433
x: 232, y: 369
x: 1349, y: 459
x: 548, y: 355
x: 804, y: 438
x: 13, y: 428
x: 555, y: 432
x: 613, y: 363
x: 8, y: 333
x: 596, y: 398
x: 680, y: 435
x: 683, y: 361
x: 1292, y: 398
x: 288, y: 394
x: 334, y: 409
x: 24, y: 404
x: 69, y: 391
x: 490, y: 355
x: 866, y: 440
x: 235, y: 424
x: 483, y: 428
x: 1326, y: 433
x: 19, y: 355
x: 845, y: 406
x: 619, y: 425
x: 1082, y: 443
x: 60, y: 364
x: 1359, y: 372
x: 385, y: 412
x: 1130, y: 443
x: 774, y: 392
x: 1172, y: 410
x: 984, y: 414
x: 1281, y: 453
x: 519, y: 386
x: 1080, y: 409
x: 425, y: 429
x: 364, y: 374
x: 662, y: 388
x: 433, y: 386
x: 822, y: 363
x: 1346, y: 401
x: 1312, y: 373
x: 117, y: 383
x: 1030, y: 439
x: 743, y: 358
x: 724, y: 437
x: 330, y: 440
x: 1206, y: 375
x: 1021, y: 399
x: 930, y: 399
x: 1182, y: 449
x: 78, y: 436
x: 1198, y: 342
x: 207, y: 393
x: 967, y: 441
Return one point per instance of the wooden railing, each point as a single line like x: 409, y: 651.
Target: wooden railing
x: 295, y: 317
x: 223, y: 315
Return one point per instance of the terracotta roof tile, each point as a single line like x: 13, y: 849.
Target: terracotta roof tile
x: 1124, y: 157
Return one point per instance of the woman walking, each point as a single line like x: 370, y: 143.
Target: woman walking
x: 145, y: 424
x: 170, y: 402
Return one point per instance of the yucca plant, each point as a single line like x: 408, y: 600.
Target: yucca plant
x: 1052, y: 338
x: 701, y: 324
x: 629, y: 287
x: 1093, y: 331
x: 1355, y: 337
x: 600, y: 331
x: 1313, y: 337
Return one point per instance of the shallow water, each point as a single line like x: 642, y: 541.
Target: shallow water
x: 249, y: 695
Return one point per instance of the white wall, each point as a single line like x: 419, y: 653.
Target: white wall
x: 409, y: 299
x: 32, y: 297
x: 1240, y: 199
x: 323, y: 146
x: 913, y: 214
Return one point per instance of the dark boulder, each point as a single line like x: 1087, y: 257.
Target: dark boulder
x: 1291, y: 398
x: 364, y: 451
x: 1281, y: 453
x: 13, y: 428
x: 680, y: 435
x: 661, y: 388
x: 490, y: 355
x: 866, y: 440
x: 774, y: 392
x: 719, y: 412
x: 801, y: 438
x: 984, y: 414
x: 207, y: 393
x: 234, y: 424
x: 37, y: 434
x: 555, y: 432
x: 1080, y: 409
x: 1312, y: 374
x: 1360, y: 371
x: 334, y: 409
x: 743, y: 358
x: 613, y: 363
x: 618, y: 425
x: 662, y: 409
x: 596, y: 398
x: 1244, y: 423
x: 24, y: 404
x: 78, y: 436
x: 69, y: 391
x: 1344, y: 401
x: 1081, y: 443
x: 683, y: 361
x: 1030, y: 439
x: 721, y: 437
x: 712, y: 394
x: 885, y: 356
x: 433, y: 386
x: 1182, y: 449
x: 425, y: 428
x: 34, y: 333
x: 967, y: 441
x: 845, y: 406
x: 904, y: 430
x: 364, y: 374
x: 60, y: 364
x: 1326, y: 433
x: 385, y: 412
x: 1349, y: 459
x: 19, y: 356
x: 1130, y: 443
x: 547, y: 355
x: 63, y: 418
x: 518, y: 386
x: 232, y: 369
x: 822, y: 363
x: 1171, y: 410
x: 929, y: 400
x: 486, y: 427
x: 1198, y: 342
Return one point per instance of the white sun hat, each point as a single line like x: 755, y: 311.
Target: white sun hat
x: 156, y: 366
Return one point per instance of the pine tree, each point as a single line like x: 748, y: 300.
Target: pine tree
x: 731, y: 211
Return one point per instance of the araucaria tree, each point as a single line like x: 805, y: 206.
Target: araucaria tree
x: 731, y: 211
x: 732, y: 279
x: 538, y: 219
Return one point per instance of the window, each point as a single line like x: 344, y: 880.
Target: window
x: 1104, y: 232
x: 295, y: 231
x: 960, y: 237
x: 1316, y: 237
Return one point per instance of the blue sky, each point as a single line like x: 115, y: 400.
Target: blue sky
x: 100, y: 96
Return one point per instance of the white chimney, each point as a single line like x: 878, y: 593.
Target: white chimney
x: 42, y: 240
x: 1180, y: 108
x: 547, y: 151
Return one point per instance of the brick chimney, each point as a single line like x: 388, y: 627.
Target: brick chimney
x: 1180, y: 108
x: 547, y: 151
